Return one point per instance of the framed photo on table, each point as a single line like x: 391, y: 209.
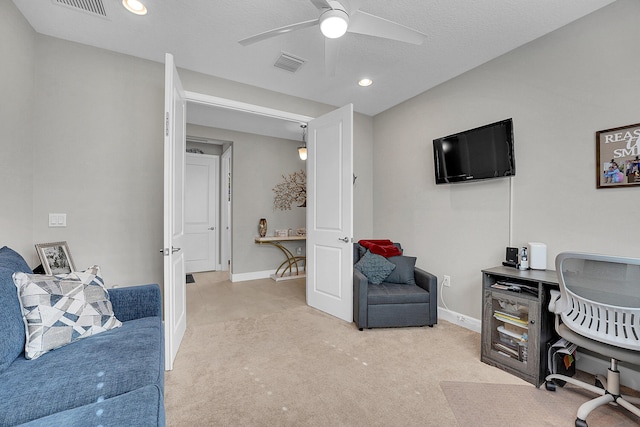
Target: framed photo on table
x: 55, y: 258
x: 618, y: 157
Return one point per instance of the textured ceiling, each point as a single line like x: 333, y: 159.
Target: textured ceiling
x: 203, y: 36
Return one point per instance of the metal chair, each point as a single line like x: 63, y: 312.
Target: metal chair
x: 598, y: 309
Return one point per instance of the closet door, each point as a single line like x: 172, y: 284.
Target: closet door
x: 201, y: 213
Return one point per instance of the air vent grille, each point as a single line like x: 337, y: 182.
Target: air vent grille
x: 289, y: 62
x: 94, y: 7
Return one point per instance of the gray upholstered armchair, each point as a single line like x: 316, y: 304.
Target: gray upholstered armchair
x: 406, y: 297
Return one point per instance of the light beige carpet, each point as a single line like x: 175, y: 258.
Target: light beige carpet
x: 500, y: 405
x: 273, y: 361
x: 302, y: 367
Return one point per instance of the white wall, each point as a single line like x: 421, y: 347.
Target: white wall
x: 17, y: 44
x: 560, y: 90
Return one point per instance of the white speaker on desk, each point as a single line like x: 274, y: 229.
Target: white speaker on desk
x: 537, y: 256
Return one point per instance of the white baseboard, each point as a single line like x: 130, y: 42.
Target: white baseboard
x: 459, y: 319
x: 253, y: 275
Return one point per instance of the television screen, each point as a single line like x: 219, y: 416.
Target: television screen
x: 480, y: 153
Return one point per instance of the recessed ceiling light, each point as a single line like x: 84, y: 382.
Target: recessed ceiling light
x: 134, y: 6
x: 365, y: 82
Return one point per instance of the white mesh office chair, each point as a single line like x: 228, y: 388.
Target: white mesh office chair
x: 598, y: 309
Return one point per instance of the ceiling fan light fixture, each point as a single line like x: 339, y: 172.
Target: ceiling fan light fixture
x: 334, y: 23
x: 135, y: 6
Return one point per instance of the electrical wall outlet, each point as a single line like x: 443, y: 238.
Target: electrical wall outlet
x: 446, y: 281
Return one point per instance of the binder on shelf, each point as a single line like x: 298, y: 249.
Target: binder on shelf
x: 512, y: 334
x: 509, y: 318
x: 517, y: 352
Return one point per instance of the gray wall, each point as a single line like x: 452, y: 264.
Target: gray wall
x: 17, y: 44
x: 82, y: 135
x: 560, y: 90
x: 98, y: 156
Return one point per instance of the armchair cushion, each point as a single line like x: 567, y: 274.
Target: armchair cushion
x: 394, y: 293
x: 403, y: 273
x: 375, y: 267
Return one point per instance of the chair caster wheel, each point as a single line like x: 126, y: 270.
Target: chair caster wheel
x: 550, y: 385
x: 581, y: 423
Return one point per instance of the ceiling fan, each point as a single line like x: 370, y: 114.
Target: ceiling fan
x: 335, y: 20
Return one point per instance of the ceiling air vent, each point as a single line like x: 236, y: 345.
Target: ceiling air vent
x: 93, y: 7
x: 288, y: 62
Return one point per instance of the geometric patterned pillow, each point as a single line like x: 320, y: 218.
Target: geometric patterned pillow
x: 58, y: 310
x: 375, y: 267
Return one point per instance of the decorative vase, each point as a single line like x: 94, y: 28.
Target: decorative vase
x: 262, y: 227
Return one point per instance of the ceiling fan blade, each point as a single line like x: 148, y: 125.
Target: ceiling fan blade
x: 321, y: 4
x: 354, y: 5
x: 364, y: 23
x: 277, y: 32
x: 331, y: 51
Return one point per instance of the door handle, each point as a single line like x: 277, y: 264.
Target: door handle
x: 211, y: 228
x: 174, y: 250
x: 344, y: 239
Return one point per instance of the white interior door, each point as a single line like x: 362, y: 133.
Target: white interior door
x: 330, y: 213
x: 175, y: 307
x: 225, y: 211
x: 201, y: 212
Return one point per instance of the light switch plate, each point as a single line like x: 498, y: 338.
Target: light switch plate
x: 57, y: 220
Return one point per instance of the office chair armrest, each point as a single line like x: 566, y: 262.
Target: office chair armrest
x: 360, y: 292
x: 553, y: 306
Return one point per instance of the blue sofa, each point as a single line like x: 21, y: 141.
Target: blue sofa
x: 114, y: 378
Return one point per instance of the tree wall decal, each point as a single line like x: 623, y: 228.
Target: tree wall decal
x: 292, y: 190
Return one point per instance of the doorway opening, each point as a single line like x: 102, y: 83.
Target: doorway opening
x: 227, y: 128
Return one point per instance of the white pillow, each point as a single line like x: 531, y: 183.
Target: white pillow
x: 58, y: 310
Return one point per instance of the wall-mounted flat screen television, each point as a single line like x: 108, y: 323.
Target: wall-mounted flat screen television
x: 480, y: 153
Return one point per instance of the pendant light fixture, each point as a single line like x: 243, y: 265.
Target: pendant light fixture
x: 302, y: 150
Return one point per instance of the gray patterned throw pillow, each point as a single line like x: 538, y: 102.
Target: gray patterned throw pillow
x: 58, y: 310
x: 375, y: 267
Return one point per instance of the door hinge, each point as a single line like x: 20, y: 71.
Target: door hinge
x: 166, y: 125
